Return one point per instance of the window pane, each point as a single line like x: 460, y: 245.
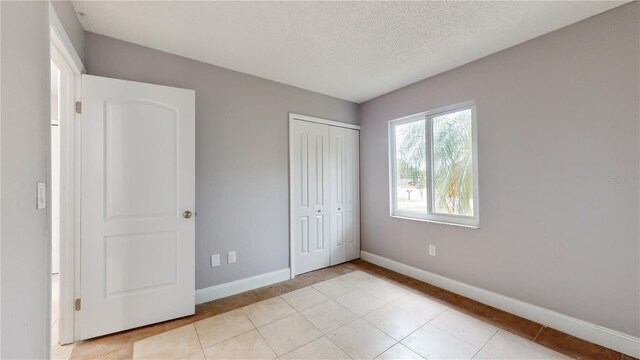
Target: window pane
x: 411, y: 166
x: 453, y: 163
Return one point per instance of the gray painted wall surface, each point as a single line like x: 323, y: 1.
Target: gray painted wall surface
x: 67, y: 15
x: 241, y: 152
x: 25, y: 259
x: 558, y: 118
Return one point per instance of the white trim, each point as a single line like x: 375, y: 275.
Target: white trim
x: 322, y: 121
x: 1, y: 181
x: 67, y: 126
x: 65, y: 53
x: 292, y: 264
x: 62, y: 42
x: 242, y: 285
x: 597, y: 334
x: 413, y: 218
x: 76, y: 198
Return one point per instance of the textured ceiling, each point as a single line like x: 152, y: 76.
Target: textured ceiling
x: 351, y: 50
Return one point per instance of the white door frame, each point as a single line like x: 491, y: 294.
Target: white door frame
x: 293, y: 117
x: 64, y: 53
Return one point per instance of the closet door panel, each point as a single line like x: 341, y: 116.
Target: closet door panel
x: 338, y: 193
x: 310, y: 195
x: 352, y: 193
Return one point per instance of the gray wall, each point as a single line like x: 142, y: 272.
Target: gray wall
x: 67, y: 15
x: 241, y: 152
x: 558, y: 117
x: 25, y: 259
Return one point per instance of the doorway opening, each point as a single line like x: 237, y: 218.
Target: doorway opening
x: 61, y: 117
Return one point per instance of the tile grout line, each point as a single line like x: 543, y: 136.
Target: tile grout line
x: 269, y: 345
x: 308, y: 342
x: 219, y: 342
x: 341, y: 326
x: 485, y: 344
x: 258, y: 330
x: 198, y: 336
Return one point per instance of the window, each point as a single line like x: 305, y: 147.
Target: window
x: 434, y: 167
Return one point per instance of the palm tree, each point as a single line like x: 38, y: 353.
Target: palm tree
x: 411, y: 151
x: 453, y: 163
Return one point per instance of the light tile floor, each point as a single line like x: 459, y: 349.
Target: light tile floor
x: 357, y: 316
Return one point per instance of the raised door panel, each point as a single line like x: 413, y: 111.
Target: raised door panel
x: 141, y: 170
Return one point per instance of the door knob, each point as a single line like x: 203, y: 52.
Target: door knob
x: 319, y: 210
x: 187, y: 214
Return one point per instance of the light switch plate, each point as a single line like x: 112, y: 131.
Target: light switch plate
x: 41, y: 196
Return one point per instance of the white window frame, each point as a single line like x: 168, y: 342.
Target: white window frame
x: 430, y: 215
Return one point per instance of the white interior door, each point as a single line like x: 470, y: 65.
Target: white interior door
x: 309, y: 158
x: 338, y: 192
x: 138, y: 182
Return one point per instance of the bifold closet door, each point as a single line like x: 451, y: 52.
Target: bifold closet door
x: 310, y: 195
x: 344, y: 194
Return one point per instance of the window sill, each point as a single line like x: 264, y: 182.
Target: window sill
x: 476, y: 227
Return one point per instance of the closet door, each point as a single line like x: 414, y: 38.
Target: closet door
x: 309, y: 147
x: 352, y: 194
x: 338, y: 192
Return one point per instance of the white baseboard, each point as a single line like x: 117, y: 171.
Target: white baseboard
x: 242, y: 285
x: 596, y: 334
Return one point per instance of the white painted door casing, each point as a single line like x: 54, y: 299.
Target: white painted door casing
x: 352, y: 193
x: 310, y: 195
x: 138, y: 177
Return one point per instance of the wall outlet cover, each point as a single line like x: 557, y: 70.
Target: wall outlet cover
x: 432, y: 250
x: 215, y: 260
x: 231, y: 257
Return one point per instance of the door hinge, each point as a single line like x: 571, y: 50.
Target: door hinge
x: 78, y: 304
x: 79, y: 107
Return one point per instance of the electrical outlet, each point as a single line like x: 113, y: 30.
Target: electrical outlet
x: 215, y: 260
x: 231, y: 257
x: 432, y: 250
